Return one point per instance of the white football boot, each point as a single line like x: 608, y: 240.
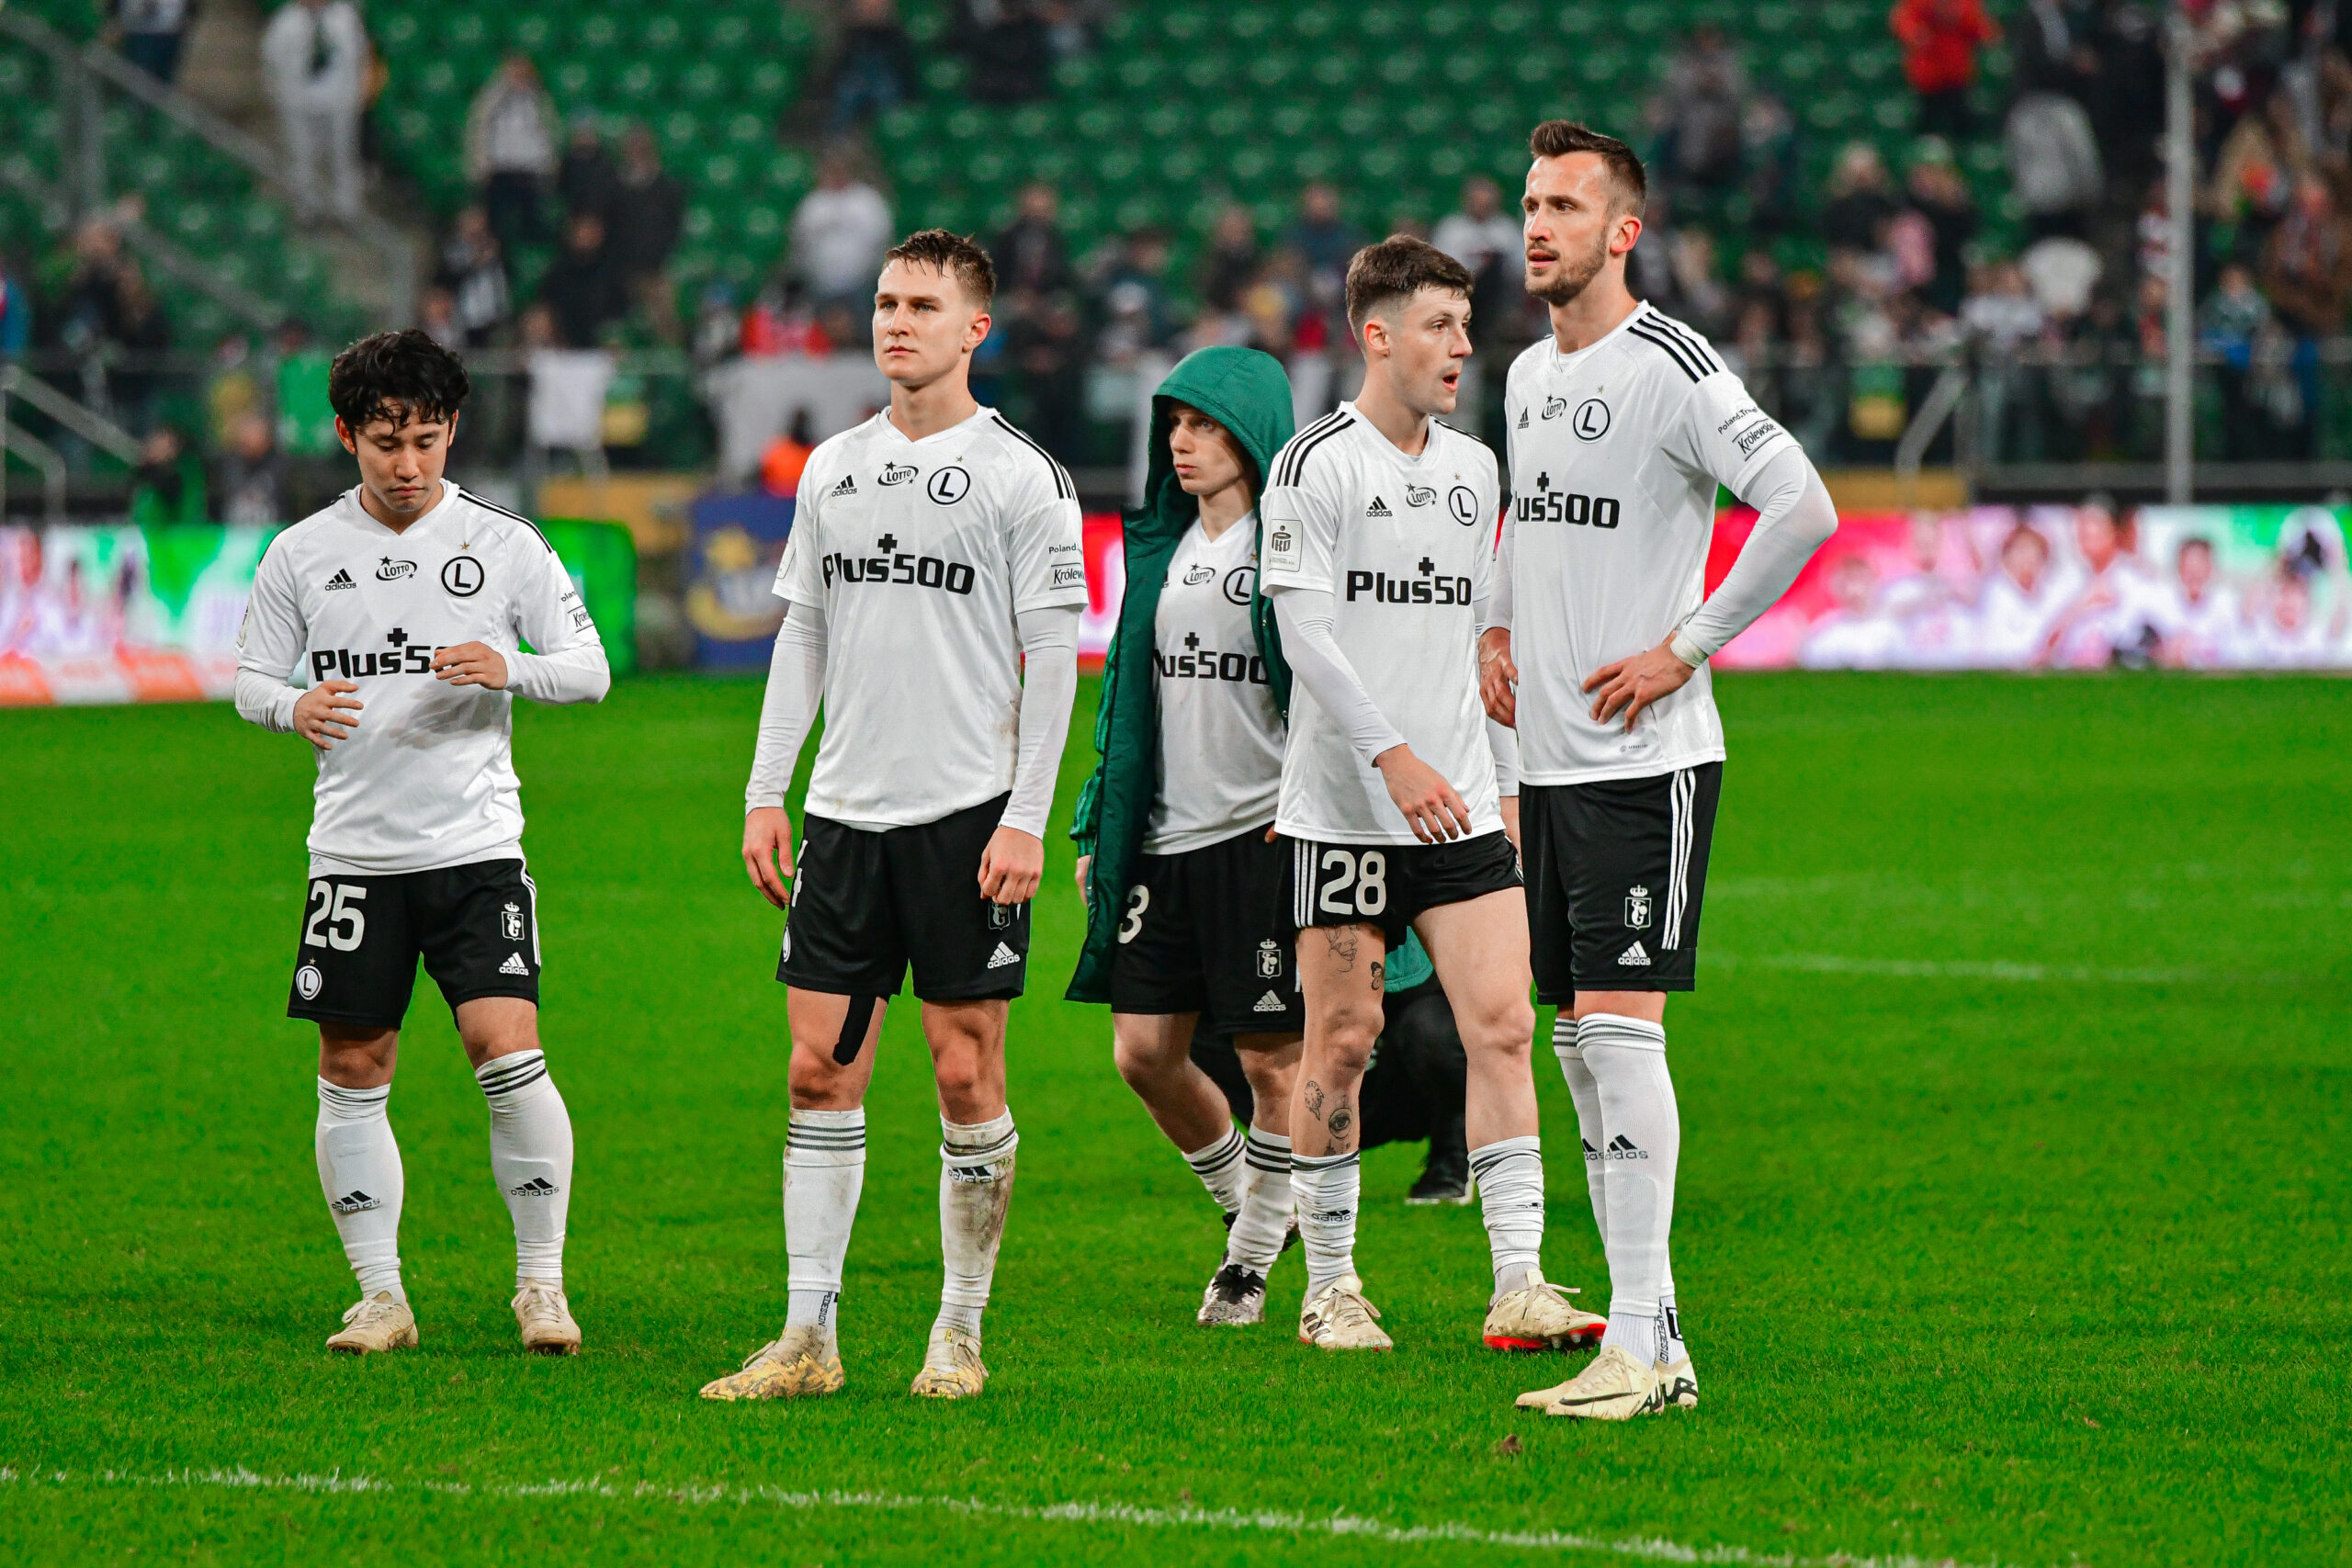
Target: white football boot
x: 804, y: 1363
x: 1339, y: 1318
x: 1679, y: 1382
x: 951, y: 1366
x: 1613, y: 1386
x: 545, y: 1318
x: 1537, y: 1316
x: 376, y: 1324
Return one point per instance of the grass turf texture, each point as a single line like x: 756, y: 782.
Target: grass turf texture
x: 2010, y: 1223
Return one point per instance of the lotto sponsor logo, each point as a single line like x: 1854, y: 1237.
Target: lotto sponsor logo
x: 1554, y: 406
x: 1420, y: 495
x: 899, y: 473
x: 1207, y: 664
x: 897, y: 565
x: 1559, y: 506
x: 390, y: 570
x: 404, y: 657
x: 1426, y: 588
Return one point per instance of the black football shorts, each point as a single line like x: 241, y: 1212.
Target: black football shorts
x: 1202, y: 931
x: 1615, y: 875
x: 1389, y: 886
x: 867, y: 904
x: 476, y: 926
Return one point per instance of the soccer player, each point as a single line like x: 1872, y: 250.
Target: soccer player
x: 1182, y: 877
x: 386, y: 631
x: 1621, y: 426
x: 1379, y: 548
x: 935, y: 550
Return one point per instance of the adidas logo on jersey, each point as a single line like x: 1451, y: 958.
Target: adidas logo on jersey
x: 342, y: 578
x: 1002, y: 956
x: 847, y: 487
x: 1268, y: 1003
x: 1522, y: 419
x: 537, y: 1187
x: 353, y: 1202
x: 1634, y: 956
x: 1378, y: 508
x: 513, y: 965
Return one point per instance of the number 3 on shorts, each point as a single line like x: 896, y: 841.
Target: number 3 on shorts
x: 1357, y: 884
x: 1138, y: 901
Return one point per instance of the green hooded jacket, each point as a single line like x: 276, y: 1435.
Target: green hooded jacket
x: 1246, y: 393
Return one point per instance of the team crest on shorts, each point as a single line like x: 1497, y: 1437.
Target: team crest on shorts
x: 310, y: 982
x: 511, y: 922
x: 1637, y: 908
x: 1270, y: 960
x: 1000, y: 916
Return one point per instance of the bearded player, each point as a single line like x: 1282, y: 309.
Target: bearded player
x: 1379, y: 552
x: 386, y: 632
x: 1621, y: 426
x: 935, y: 553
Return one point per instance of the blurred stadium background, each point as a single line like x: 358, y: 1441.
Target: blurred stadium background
x: 1946, y: 242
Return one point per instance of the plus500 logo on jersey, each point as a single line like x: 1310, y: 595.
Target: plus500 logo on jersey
x: 1556, y: 506
x: 333, y: 663
x: 1207, y: 664
x: 920, y: 571
x: 1425, y: 589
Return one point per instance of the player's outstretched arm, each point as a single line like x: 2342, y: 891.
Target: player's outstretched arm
x: 1013, y: 863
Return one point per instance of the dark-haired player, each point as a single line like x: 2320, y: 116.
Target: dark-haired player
x: 935, y: 550
x: 386, y: 631
x: 1379, y: 549
x: 1621, y: 426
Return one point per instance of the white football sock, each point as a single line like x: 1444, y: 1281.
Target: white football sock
x: 975, y: 1188
x: 1627, y: 1058
x: 530, y: 1152
x: 1587, y: 1095
x: 1263, y: 1223
x: 824, y: 1171
x: 1670, y: 1347
x: 1509, y: 1173
x: 1219, y: 1168
x: 359, y: 1170
x: 1327, y: 1188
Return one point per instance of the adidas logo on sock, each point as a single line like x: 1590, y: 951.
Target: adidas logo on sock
x: 1378, y: 508
x: 1268, y: 1003
x: 1589, y: 1152
x: 340, y: 580
x: 1624, y: 1147
x: 353, y: 1202
x: 513, y: 965
x: 537, y: 1187
x: 847, y: 487
x: 1002, y: 956
x: 1634, y: 956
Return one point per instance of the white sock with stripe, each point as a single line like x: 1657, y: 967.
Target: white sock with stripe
x: 1627, y: 1059
x: 1327, y: 1188
x: 824, y: 1171
x: 530, y: 1153
x: 1264, y: 1223
x: 1219, y: 1168
x: 1509, y: 1173
x: 359, y: 1170
x: 975, y: 1190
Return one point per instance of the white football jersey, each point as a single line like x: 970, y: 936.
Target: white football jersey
x: 920, y: 553
x: 426, y: 777
x: 1405, y: 546
x: 1615, y: 452
x: 1220, y: 733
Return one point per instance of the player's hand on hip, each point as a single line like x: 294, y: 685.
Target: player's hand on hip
x: 768, y: 852
x: 1634, y: 683
x: 1499, y: 677
x: 1420, y: 791
x: 471, y: 664
x: 327, y: 713
x: 1011, y: 866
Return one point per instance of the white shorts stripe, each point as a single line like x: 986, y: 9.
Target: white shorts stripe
x: 1681, y: 793
x: 535, y: 918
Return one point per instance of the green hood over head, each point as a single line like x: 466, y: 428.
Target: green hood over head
x: 1244, y: 390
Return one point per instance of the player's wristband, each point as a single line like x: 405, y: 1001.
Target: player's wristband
x: 1682, y: 647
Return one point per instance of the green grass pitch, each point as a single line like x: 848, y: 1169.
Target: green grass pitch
x: 2011, y: 1223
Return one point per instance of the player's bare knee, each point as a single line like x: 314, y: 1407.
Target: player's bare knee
x: 1505, y: 1027
x: 357, y: 1057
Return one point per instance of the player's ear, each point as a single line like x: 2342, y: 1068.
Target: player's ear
x: 1628, y: 229
x: 344, y: 433
x: 977, y: 333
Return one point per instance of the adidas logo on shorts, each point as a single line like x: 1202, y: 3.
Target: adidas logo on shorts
x: 1268, y: 1003
x: 1634, y: 956
x: 513, y: 965
x: 1002, y: 956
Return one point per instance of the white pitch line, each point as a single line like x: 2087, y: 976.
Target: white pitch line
x: 1996, y: 969
x: 1261, y: 1521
